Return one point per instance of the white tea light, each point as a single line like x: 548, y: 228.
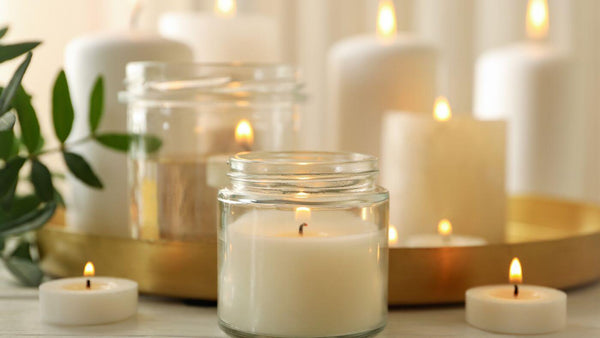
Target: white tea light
x: 516, y: 309
x: 87, y: 300
x: 443, y: 238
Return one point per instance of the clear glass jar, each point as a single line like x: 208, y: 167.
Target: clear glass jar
x: 303, y: 248
x: 202, y: 114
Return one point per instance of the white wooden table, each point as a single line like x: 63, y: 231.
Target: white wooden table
x: 160, y: 317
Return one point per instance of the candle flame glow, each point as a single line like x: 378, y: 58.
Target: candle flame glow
x: 515, y: 274
x: 392, y: 235
x: 441, y: 109
x: 386, y: 19
x: 445, y: 227
x: 225, y: 7
x: 537, y: 19
x: 302, y: 214
x: 88, y: 270
x: 244, y: 135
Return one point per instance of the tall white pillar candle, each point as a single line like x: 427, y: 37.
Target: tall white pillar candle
x: 224, y: 35
x: 437, y: 170
x: 369, y: 75
x: 529, y: 85
x: 106, y: 211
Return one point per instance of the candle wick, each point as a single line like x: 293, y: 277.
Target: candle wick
x: 516, y: 290
x: 88, y: 284
x: 301, y: 229
x: 245, y: 146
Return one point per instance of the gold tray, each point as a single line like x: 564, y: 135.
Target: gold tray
x: 558, y: 243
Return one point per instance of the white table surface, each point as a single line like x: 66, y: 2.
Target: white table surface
x: 160, y: 317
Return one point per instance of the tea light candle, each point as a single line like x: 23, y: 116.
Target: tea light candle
x: 516, y: 309
x: 87, y: 300
x: 322, y: 277
x: 443, y: 238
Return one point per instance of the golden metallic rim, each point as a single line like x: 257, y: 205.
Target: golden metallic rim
x: 558, y: 243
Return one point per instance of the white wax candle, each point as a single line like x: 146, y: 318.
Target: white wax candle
x: 69, y: 302
x: 529, y: 84
x: 444, y: 169
x: 328, y: 282
x: 106, y: 211
x: 435, y: 241
x: 224, y: 37
x: 535, y: 310
x: 368, y: 75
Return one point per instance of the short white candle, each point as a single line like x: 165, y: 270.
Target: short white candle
x: 224, y: 36
x: 327, y: 282
x: 528, y: 84
x: 370, y: 74
x: 438, y: 167
x: 217, y: 166
x: 72, y: 301
x: 533, y: 310
x: 444, y: 238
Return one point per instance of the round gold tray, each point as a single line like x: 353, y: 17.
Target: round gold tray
x: 558, y: 243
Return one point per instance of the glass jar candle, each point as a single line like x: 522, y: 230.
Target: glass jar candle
x: 303, y: 248
x: 201, y: 114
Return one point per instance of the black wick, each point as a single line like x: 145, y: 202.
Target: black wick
x: 516, y: 290
x: 88, y: 284
x: 301, y: 228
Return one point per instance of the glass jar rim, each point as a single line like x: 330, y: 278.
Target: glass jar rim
x: 153, y: 81
x: 301, y: 163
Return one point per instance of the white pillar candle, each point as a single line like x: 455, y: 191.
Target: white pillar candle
x: 452, y: 169
x: 528, y: 84
x: 224, y: 36
x: 327, y: 282
x: 368, y: 75
x: 444, y: 238
x: 87, y: 300
x: 106, y: 211
x: 516, y: 309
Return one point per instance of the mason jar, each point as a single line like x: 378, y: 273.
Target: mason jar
x: 196, y: 116
x: 303, y: 246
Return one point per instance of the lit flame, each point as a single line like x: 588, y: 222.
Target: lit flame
x: 392, y: 235
x: 386, y: 19
x: 537, y: 19
x: 244, y: 135
x: 88, y: 270
x: 441, y: 109
x: 225, y: 7
x: 445, y: 227
x: 302, y: 214
x: 515, y: 274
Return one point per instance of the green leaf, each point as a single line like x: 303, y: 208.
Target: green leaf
x: 8, y: 52
x: 10, y: 174
x: 25, y: 270
x: 30, y: 127
x: 23, y: 250
x: 124, y: 142
x: 32, y: 220
x: 11, y: 88
x: 59, y: 199
x: 96, y: 104
x: 7, y: 121
x: 6, y: 202
x: 62, y: 108
x: 3, y: 31
x: 82, y: 170
x: 42, y: 181
x: 21, y: 206
x: 6, y: 143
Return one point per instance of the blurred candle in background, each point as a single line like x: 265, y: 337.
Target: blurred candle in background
x: 529, y: 84
x: 224, y: 35
x: 106, y: 53
x: 444, y: 167
x: 368, y: 75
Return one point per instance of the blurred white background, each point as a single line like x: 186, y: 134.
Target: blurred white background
x: 461, y: 29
